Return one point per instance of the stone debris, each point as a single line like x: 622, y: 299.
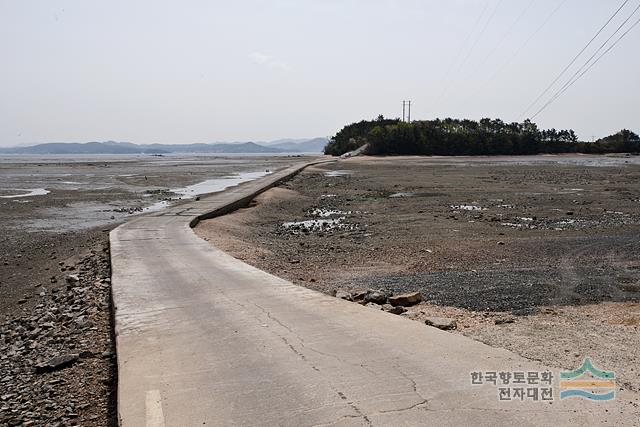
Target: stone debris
x: 58, y: 362
x: 394, y: 310
x: 406, y: 300
x: 373, y: 305
x: 57, y: 366
x: 377, y: 297
x: 344, y: 295
x: 72, y: 279
x: 444, y: 323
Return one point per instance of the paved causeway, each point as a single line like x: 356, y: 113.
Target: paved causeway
x: 204, y: 339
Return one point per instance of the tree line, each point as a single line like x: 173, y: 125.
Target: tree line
x: 456, y: 137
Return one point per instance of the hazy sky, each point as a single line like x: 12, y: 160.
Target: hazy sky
x: 205, y: 71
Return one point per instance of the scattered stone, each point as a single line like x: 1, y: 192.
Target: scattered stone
x: 504, y: 320
x: 377, y: 297
x: 57, y: 363
x: 444, y: 323
x: 393, y: 310
x: 86, y: 354
x: 409, y: 314
x: 406, y: 300
x: 357, y: 296
x: 72, y: 279
x: 40, y: 346
x: 344, y: 295
x: 373, y: 305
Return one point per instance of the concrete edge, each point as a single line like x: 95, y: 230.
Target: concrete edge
x: 245, y: 200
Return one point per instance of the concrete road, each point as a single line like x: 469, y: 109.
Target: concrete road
x: 204, y: 339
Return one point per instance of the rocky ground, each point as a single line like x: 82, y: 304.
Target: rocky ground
x: 57, y: 360
x: 537, y: 254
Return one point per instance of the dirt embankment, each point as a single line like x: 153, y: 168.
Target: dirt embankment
x: 535, y: 254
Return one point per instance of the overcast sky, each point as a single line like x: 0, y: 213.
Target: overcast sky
x: 205, y: 71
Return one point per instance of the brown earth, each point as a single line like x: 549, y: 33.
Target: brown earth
x: 537, y: 254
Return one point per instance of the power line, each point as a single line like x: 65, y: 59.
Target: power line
x: 506, y: 33
x: 586, y: 63
x: 588, y: 68
x: 575, y: 58
x: 523, y: 45
x: 484, y: 29
x: 406, y: 117
x: 447, y: 76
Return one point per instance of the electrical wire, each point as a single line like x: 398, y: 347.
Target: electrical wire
x: 588, y: 68
x: 586, y: 63
x: 447, y: 76
x: 506, y: 34
x: 523, y: 45
x: 575, y: 58
x: 484, y: 29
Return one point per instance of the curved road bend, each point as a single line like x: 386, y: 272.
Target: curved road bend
x: 205, y: 339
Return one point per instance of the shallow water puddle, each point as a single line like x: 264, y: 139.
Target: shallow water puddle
x: 218, y: 184
x: 209, y: 186
x: 337, y: 173
x: 29, y: 193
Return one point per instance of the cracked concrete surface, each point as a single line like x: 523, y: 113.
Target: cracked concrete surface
x: 217, y: 342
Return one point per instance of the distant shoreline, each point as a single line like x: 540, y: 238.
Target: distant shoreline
x: 313, y: 145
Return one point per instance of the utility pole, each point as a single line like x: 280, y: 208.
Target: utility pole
x: 406, y: 117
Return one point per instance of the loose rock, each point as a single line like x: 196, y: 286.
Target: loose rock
x: 56, y: 363
x: 444, y: 323
x: 406, y: 300
x: 393, y: 310
x: 344, y: 295
x: 374, y: 306
x: 377, y: 297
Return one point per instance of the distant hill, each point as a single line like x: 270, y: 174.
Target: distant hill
x: 108, y: 147
x: 315, y: 145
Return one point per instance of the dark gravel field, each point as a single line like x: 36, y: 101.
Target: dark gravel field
x: 515, y: 290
